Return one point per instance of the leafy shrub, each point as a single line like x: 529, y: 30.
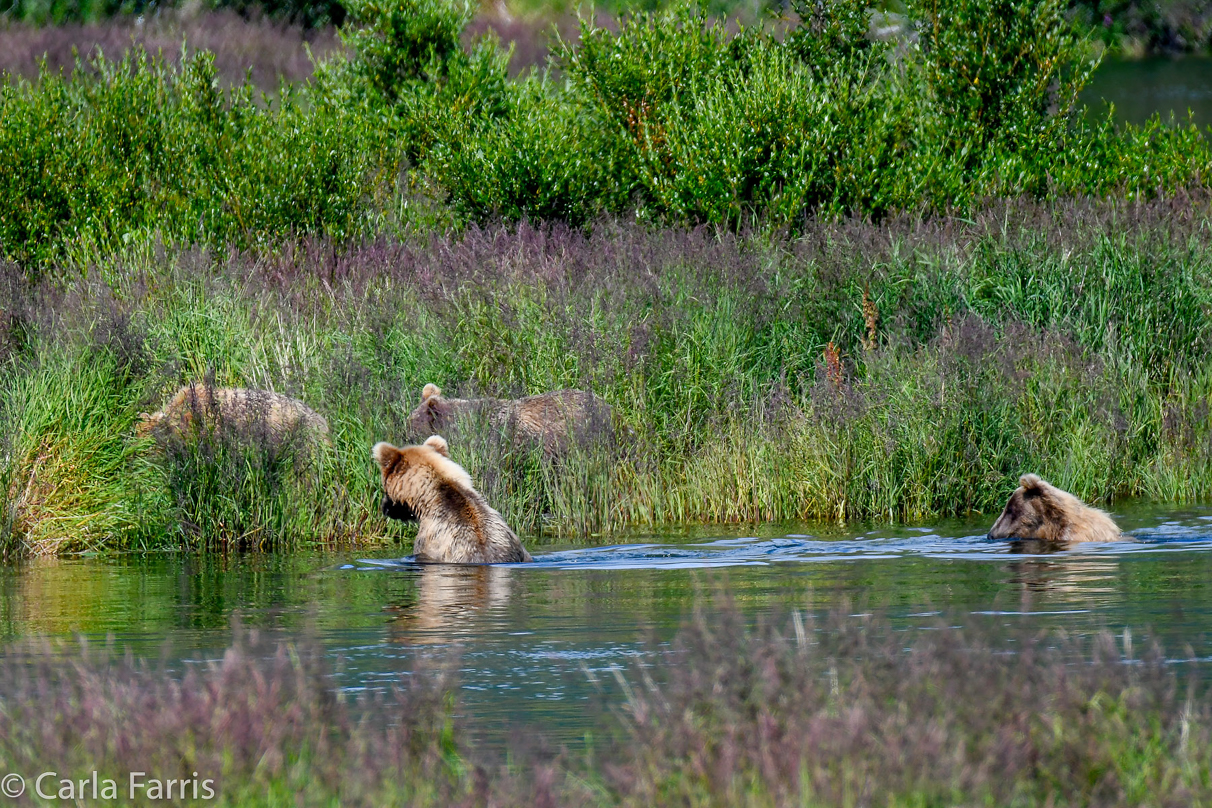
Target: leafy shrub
x: 407, y: 57
x: 88, y: 161
x: 549, y: 159
x: 672, y: 117
x: 678, y: 116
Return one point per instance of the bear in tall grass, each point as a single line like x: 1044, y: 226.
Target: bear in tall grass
x: 199, y: 405
x: 1040, y: 511
x: 548, y: 420
x: 457, y: 525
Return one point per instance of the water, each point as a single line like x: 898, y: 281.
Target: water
x: 1159, y: 85
x: 534, y: 636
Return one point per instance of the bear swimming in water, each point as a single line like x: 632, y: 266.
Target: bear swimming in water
x: 1040, y: 511
x: 457, y: 526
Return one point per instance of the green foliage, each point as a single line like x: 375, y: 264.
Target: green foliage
x: 672, y: 117
x: 139, y: 147
x: 892, y: 371
x: 678, y: 118
x: 235, y: 486
x: 547, y: 160
x: 402, y: 41
x: 1005, y: 68
x: 410, y: 71
x: 831, y: 32
x: 748, y: 390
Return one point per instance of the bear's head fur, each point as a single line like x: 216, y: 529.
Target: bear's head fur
x: 434, y: 411
x: 1040, y: 511
x: 410, y: 472
x: 421, y: 483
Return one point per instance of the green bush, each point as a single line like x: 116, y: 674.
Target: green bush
x: 687, y: 121
x: 672, y: 117
x: 133, y: 147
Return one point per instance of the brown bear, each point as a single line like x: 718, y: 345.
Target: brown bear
x: 548, y: 419
x: 1040, y: 511
x: 457, y: 526
x: 234, y: 406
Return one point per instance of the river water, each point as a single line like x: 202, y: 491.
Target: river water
x: 1168, y: 87
x: 533, y: 638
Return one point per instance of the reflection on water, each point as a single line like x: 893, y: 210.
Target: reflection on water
x: 529, y: 633
x: 1140, y: 89
x: 450, y: 602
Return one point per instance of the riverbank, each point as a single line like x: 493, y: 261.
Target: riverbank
x: 903, y: 370
x: 786, y: 269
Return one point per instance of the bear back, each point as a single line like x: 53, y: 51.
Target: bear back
x: 456, y: 524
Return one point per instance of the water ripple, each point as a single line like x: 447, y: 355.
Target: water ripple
x: 799, y: 548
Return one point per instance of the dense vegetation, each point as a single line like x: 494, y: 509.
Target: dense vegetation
x: 674, y: 119
x: 840, y: 710
x: 899, y: 371
x: 777, y: 258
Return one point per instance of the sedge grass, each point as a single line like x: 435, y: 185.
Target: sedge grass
x: 864, y: 371
x: 835, y: 709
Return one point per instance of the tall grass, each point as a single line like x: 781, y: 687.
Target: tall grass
x: 905, y: 370
x: 841, y: 709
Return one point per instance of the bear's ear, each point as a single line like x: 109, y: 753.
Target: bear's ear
x: 429, y: 391
x: 439, y: 445
x: 1031, y: 481
x: 386, y: 455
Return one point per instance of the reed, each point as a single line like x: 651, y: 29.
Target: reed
x: 750, y: 377
x: 828, y: 709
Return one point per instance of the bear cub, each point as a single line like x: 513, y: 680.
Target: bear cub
x: 457, y: 526
x: 1041, y: 511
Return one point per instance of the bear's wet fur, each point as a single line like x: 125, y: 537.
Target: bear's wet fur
x: 548, y: 419
x: 1039, y: 511
x: 198, y: 404
x: 457, y: 525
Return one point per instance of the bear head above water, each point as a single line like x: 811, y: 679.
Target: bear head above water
x: 457, y: 525
x: 1039, y: 510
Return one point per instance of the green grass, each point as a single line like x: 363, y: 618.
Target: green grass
x: 856, y: 331
x: 1067, y: 340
